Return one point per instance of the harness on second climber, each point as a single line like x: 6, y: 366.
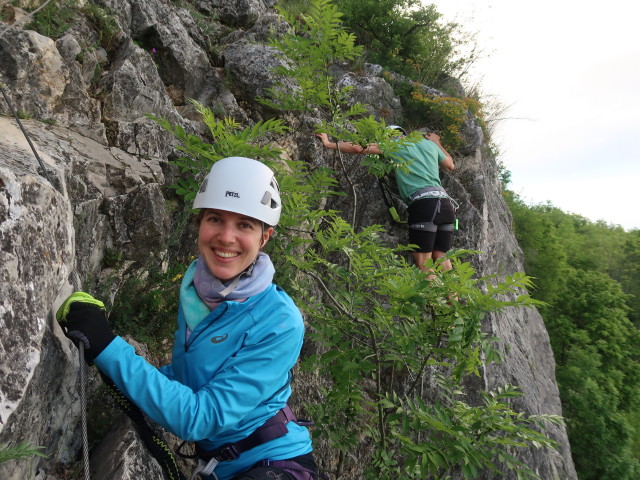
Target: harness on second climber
x: 438, y: 193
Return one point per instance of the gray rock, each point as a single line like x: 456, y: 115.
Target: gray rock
x: 34, y: 72
x: 266, y: 27
x: 236, y: 13
x: 45, y: 85
x: 132, y: 89
x: 250, y: 68
x: 485, y: 225
x: 375, y: 93
x: 37, y: 366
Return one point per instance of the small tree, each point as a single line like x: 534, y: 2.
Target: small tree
x: 410, y: 38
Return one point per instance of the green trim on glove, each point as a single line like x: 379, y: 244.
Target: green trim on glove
x: 82, y: 297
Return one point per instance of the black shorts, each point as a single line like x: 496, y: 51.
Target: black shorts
x: 431, y: 224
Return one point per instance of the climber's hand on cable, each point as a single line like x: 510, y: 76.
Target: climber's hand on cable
x: 84, y: 322
x: 434, y: 137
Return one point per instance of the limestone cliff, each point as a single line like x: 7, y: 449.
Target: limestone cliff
x: 87, y: 98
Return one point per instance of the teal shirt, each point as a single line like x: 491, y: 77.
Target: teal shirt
x: 423, y: 161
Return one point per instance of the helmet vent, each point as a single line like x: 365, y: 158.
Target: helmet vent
x: 266, y: 199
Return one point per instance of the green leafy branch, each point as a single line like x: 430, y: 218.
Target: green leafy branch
x: 228, y: 139
x: 454, y: 433
x: 315, y: 41
x: 385, y: 329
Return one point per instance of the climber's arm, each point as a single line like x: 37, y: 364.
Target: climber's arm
x: 447, y: 163
x: 344, y: 147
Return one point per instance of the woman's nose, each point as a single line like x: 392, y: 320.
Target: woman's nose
x: 225, y: 234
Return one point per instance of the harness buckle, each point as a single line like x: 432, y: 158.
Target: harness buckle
x: 229, y: 453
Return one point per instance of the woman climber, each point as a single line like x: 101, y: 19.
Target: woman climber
x: 238, y: 337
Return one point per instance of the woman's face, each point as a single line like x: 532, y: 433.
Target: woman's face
x: 229, y: 242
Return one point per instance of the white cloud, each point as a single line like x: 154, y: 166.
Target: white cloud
x: 570, y: 72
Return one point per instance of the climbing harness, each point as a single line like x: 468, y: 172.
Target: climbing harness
x: 273, y: 428
x: 428, y: 192
x: 439, y: 193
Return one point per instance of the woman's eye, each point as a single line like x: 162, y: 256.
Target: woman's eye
x: 246, y: 226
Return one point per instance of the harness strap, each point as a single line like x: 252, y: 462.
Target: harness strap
x: 434, y: 192
x: 273, y: 428
x: 424, y: 226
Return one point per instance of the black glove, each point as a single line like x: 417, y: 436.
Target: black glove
x: 85, y: 322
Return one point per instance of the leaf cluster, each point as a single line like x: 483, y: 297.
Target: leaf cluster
x: 478, y: 438
x: 409, y: 37
x: 227, y: 139
x: 386, y: 329
x: 316, y: 40
x: 55, y: 18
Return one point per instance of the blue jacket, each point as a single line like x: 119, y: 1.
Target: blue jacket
x: 227, y: 379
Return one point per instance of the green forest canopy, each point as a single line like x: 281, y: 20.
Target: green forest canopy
x: 589, y: 276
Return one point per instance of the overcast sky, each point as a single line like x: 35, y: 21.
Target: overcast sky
x: 570, y: 72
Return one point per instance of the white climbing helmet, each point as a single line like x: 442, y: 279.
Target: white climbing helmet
x: 397, y: 127
x: 241, y: 185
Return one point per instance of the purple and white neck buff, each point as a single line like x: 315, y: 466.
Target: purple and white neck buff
x: 255, y: 279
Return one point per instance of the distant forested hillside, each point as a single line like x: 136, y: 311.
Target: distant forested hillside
x: 589, y: 275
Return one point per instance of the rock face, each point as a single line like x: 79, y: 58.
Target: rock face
x: 87, y: 96
x: 36, y: 256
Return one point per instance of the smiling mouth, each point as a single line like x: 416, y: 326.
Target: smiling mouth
x: 226, y: 254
